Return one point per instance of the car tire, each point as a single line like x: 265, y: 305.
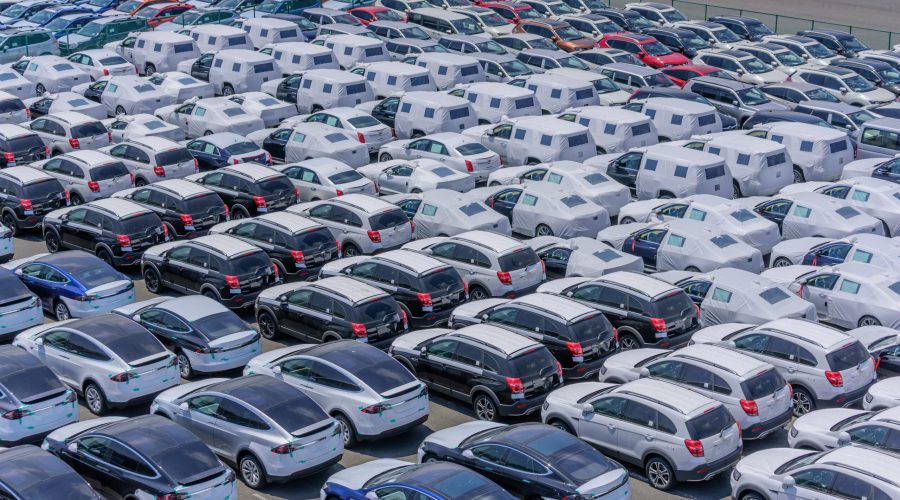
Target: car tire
x: 543, y: 230
x: 737, y: 191
x: 429, y: 458
x: 782, y: 262
x: 61, y: 311
x: 252, y: 473
x: 75, y: 199
x: 798, y: 176
x: 628, y: 341
x: 140, y: 182
x: 268, y: 327
x: 485, y: 408
x: 211, y: 294
x: 330, y: 336
x: 665, y: 195
x: 416, y: 134
x: 692, y: 269
x: 659, y: 473
x: 184, y: 366
x: 94, y: 399
x: 350, y: 250
x: 40, y: 89
x: 104, y: 255
x: 751, y: 495
x: 347, y: 431
x: 207, y: 132
x: 120, y: 111
x: 415, y: 191
x: 149, y: 69
x: 239, y: 212
x: 478, y: 292
x: 9, y: 220
x: 385, y: 157
x: 152, y: 280
x: 51, y: 239
x: 227, y: 89
x: 627, y: 220
x: 561, y: 425
x: 802, y: 402
x: 868, y: 321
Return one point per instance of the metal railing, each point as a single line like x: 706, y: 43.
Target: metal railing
x: 876, y: 39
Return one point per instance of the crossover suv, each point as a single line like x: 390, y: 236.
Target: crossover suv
x: 835, y: 427
x: 499, y: 372
x: 20, y: 145
x: 426, y: 288
x: 673, y: 433
x: 187, y: 209
x: 331, y: 309
x: 88, y: 175
x: 26, y: 195
x: 249, y: 189
x: 67, y: 131
x: 154, y: 159
x: 644, y: 310
x: 220, y: 267
x: 577, y: 335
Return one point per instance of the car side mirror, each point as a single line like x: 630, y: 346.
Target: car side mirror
x: 449, y: 32
x: 595, y: 33
x: 484, y: 317
x: 587, y: 409
x: 806, y: 56
x: 735, y: 103
x: 72, y: 447
x: 787, y: 482
x: 844, y: 91
x: 843, y: 439
x: 645, y: 373
x: 39, y: 341
x: 774, y: 64
x: 468, y: 454
x: 740, y: 72
x: 406, y: 147
x: 489, y: 132
x: 372, y: 495
x: 184, y: 406
x: 730, y: 344
x: 423, y: 352
x: 276, y: 370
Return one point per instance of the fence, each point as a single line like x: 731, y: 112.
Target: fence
x: 876, y: 39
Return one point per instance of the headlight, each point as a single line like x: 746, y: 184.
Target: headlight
x: 735, y: 474
x: 869, y: 398
x: 794, y: 432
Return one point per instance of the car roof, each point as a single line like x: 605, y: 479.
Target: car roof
x: 840, y: 107
x: 437, y: 98
x: 192, y: 307
x: 254, y: 171
x: 72, y: 117
x: 497, y: 242
x: 732, y: 84
x: 335, y: 75
x: 648, y: 285
x: 354, y: 290
x: 562, y: 307
x: 164, y: 36
x: 814, y: 333
x: 181, y: 187
x: 866, y: 461
x: 417, y: 262
x: 136, y: 431
x: 26, y: 175
x: 9, y: 130
x: 289, y: 220
x: 632, y: 68
x: 680, y: 399
x: 119, y: 207
x: 15, y: 359
x: 155, y: 142
x: 503, y: 340
x: 228, y: 246
x: 368, y: 204
x: 679, y: 105
x: 726, y: 359
x: 246, y: 55
x: 90, y: 156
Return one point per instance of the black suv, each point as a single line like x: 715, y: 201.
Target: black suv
x: 426, y: 288
x: 840, y: 42
x: 249, y: 189
x: 187, y: 209
x: 748, y: 28
x: 500, y: 372
x: 117, y: 230
x: 645, y: 311
x: 26, y: 194
x: 297, y: 245
x: 220, y: 267
x: 20, y: 145
x: 331, y: 309
x: 287, y: 89
x: 679, y: 40
x: 578, y: 335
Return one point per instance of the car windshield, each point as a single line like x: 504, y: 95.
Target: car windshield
x: 253, y: 262
x: 605, y: 86
x: 31, y: 383
x: 801, y: 461
x: 638, y: 23
x: 852, y: 44
x: 847, y: 357
x: 710, y: 423
x: 57, y: 24
x: 492, y: 19
x: 490, y: 47
x: 387, y: 219
x: 656, y: 49
x: 435, y: 47
x: 693, y: 41
x: 858, y: 83
x: 41, y: 17
x: 861, y: 116
x: 762, y: 385
x: 726, y: 35
x: 742, y: 215
x: 473, y: 148
x: 569, y: 33
x: 819, y: 50
x: 43, y: 189
x: 570, y: 455
x: 542, y: 43
x: 774, y: 295
x: 242, y: 147
x: 389, y: 15
x: 139, y: 224
x: 112, y: 60
x: 723, y: 241
x: 379, y: 310
x: 889, y: 75
x: 515, y: 68
x: 519, y: 259
x: 415, y: 32
x: 573, y: 62
x: 758, y: 29
x: 467, y: 26
x: 890, y: 340
x: 593, y: 327
x: 89, y: 129
x: 14, y: 11
x: 658, y: 80
x: 529, y: 13
x: 146, y: 13
x: 220, y: 325
x: 533, y: 363
x: 789, y: 58
x: 186, y: 18
x: 129, y: 6
x: 752, y: 96
x: 345, y: 177
x: 755, y: 66
x: 314, y: 239
x: 820, y: 94
x: 673, y: 16
x: 347, y: 19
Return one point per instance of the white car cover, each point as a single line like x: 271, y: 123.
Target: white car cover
x: 451, y: 213
x: 759, y: 167
x: 587, y: 257
x: 567, y: 215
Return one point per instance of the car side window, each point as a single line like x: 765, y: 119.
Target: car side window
x: 611, y: 406
x: 490, y: 453
x: 443, y: 348
x: 521, y: 462
x: 666, y: 369
x: 328, y: 376
x: 753, y: 342
x: 781, y: 349
x: 445, y: 250
x: 640, y: 414
x: 238, y: 414
x: 469, y: 355
x: 824, y: 281
x: 205, y: 405
x: 96, y: 446
x: 123, y: 458
x: 815, y: 479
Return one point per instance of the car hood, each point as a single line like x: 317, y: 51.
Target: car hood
x: 270, y: 356
x: 788, y: 274
x: 824, y: 420
x: 453, y: 436
x: 170, y: 395
x: 73, y: 39
x: 475, y: 308
x: 558, y: 285
x: 275, y: 291
x: 414, y: 339
x: 715, y: 334
x: 357, y: 476
x: 629, y: 359
x: 572, y: 393
x: 767, y: 461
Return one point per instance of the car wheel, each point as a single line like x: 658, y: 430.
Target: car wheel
x: 61, y: 311
x: 886, y: 228
x: 40, y: 89
x: 152, y: 280
x: 429, y: 458
x: 120, y: 111
x: 52, y: 241
x: 869, y: 321
x: 75, y: 199
x: 149, y: 70
x: 627, y: 220
x: 350, y: 250
x: 737, y: 191
x: 184, y: 366
x: 385, y: 157
x: 781, y: 262
x: 268, y: 328
x: 752, y: 495
x: 416, y: 134
x: 238, y: 212
x: 495, y: 183
x: 9, y: 220
x: 415, y: 191
x: 628, y: 342
x: 485, y: 408
x: 659, y: 473
x: 210, y: 294
x: 207, y: 132
x: 347, y: 432
x: 802, y: 402
x: 559, y: 424
x: 95, y: 400
x: 665, y: 195
x: 251, y: 472
x: 140, y: 182
x: 798, y: 176
x: 478, y: 293
x: 227, y: 89
x: 543, y: 230
x: 104, y: 255
x: 691, y: 269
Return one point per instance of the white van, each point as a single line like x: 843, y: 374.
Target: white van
x: 331, y: 88
x: 213, y: 37
x: 241, y: 70
x: 424, y: 113
x: 556, y: 93
x: 493, y: 101
x: 158, y: 51
x: 450, y: 70
x: 266, y: 30
x: 818, y: 153
x: 388, y: 77
x: 295, y: 57
x: 678, y: 119
x: 759, y: 167
x: 530, y: 140
x: 351, y: 50
x: 614, y: 130
x: 608, y: 93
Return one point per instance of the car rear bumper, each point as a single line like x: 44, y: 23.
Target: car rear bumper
x: 395, y: 430
x: 846, y: 399
x: 586, y: 370
x: 708, y: 470
x: 523, y: 406
x: 763, y: 429
x: 306, y: 472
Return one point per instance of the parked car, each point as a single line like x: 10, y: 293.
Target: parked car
x: 415, y: 176
x: 448, y: 213
x: 151, y: 159
x: 223, y: 149
x: 581, y: 256
x: 30, y: 195
x: 35, y: 472
x: 88, y: 175
x: 832, y: 428
x: 457, y: 151
x: 67, y: 131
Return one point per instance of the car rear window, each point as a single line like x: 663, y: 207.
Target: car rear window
x: 11, y: 105
x: 519, y: 259
x: 232, y: 112
x: 204, y: 204
x: 573, y: 201
x: 472, y: 209
x: 25, y: 143
x: 377, y: 369
x: 174, y: 157
x: 714, y: 172
x: 278, y: 185
x: 345, y: 177
x: 252, y: 262
x: 134, y: 344
x: 335, y: 137
x: 722, y: 241
x: 568, y: 453
x: 591, y: 327
x: 672, y: 305
x: 264, y: 68
x: 109, y: 171
x: 471, y: 149
x: 356, y: 88
x: 364, y: 121
x: 710, y: 423
x: 380, y: 310
x: 641, y: 129
x: 533, y: 363
x: 42, y: 189
x: 578, y: 140
x: 742, y: 215
x: 838, y: 146
x: 220, y: 325
x: 144, y: 87
x: 705, y: 120
x: 458, y: 113
x: 139, y: 224
x: 774, y: 295
x: 95, y: 276
x: 469, y: 70
x: 242, y: 147
x: 441, y: 280
x: 314, y: 239
x: 89, y: 129
x: 389, y: 218
x: 291, y: 409
x: 182, y: 48
x: 184, y: 461
x: 325, y: 59
x: 62, y: 67
x: 847, y: 212
x: 776, y: 159
x: 848, y: 356
x: 763, y: 384
x: 30, y: 384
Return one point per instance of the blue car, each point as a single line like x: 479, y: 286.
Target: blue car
x: 20, y: 308
x: 69, y: 24
x: 99, y: 6
x: 390, y: 478
x: 281, y: 7
x: 215, y: 151
x: 74, y: 284
x: 41, y: 18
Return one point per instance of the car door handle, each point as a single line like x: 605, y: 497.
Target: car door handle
x: 64, y: 357
x: 611, y: 427
x: 821, y: 295
x: 648, y: 437
x: 791, y: 369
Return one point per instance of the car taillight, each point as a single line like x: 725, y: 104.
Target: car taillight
x: 466, y: 288
x: 26, y: 205
x: 616, y: 335
x: 284, y: 449
x: 123, y: 240
x: 338, y: 192
x: 47, y: 150
x: 801, y: 290
x: 359, y: 330
x: 68, y: 196
x: 694, y: 446
x: 658, y: 324
x: 105, y: 72
x: 697, y: 310
x: 159, y: 170
x: 835, y: 378
x: 131, y: 176
x: 469, y: 166
x: 16, y: 414
x: 361, y: 137
x: 9, y: 157
x: 375, y: 409
x: 515, y: 385
x: 186, y: 219
x: 259, y: 201
x: 122, y: 377
x: 297, y: 193
x: 876, y: 362
x: 750, y: 407
x: 235, y: 161
x: 275, y: 271
x: 28, y: 113
x: 109, y: 136
x: 412, y: 226
x: 233, y: 282
x: 196, y: 165
x: 543, y: 267
x: 268, y: 158
x: 559, y: 370
x: 375, y: 236
x: 424, y: 299
x: 174, y: 496
x: 165, y: 230
x: 227, y: 212
x: 740, y: 431
x: 298, y: 257
x: 575, y: 348
x: 337, y: 246
x: 504, y: 277
x: 74, y: 143
x: 94, y: 186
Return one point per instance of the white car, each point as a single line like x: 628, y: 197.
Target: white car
x: 270, y: 110
x: 873, y: 167
x: 416, y: 176
x: 65, y: 101
x: 305, y: 141
x: 200, y: 117
x: 127, y: 127
x: 14, y: 83
x: 182, y: 85
x: 323, y: 178
x: 125, y: 95
x: 51, y: 74
x: 879, y: 198
x: 812, y: 214
x: 457, y: 151
x: 835, y: 427
x: 582, y: 256
x: 814, y: 251
x: 100, y: 62
x: 883, y: 394
x: 369, y: 131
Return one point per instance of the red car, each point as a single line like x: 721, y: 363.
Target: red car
x: 159, y: 13
x: 373, y: 13
x: 644, y: 47
x: 681, y: 74
x: 513, y: 12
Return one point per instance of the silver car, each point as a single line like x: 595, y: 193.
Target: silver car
x: 370, y: 394
x: 369, y: 131
x: 101, y: 62
x: 51, y: 73
x: 883, y: 394
x: 67, y: 131
x: 305, y: 141
x: 152, y: 159
x: 836, y: 427
x: 88, y: 175
x: 457, y: 151
x: 879, y: 198
x: 582, y: 256
x: 182, y: 86
x: 448, y: 213
x: 280, y: 434
x: 864, y: 248
x: 110, y: 359
x: 415, y: 176
x: 125, y: 127
x: 846, y: 85
x: 125, y: 95
x: 200, y: 117
x: 63, y: 101
x: 325, y: 178
x: 271, y: 110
